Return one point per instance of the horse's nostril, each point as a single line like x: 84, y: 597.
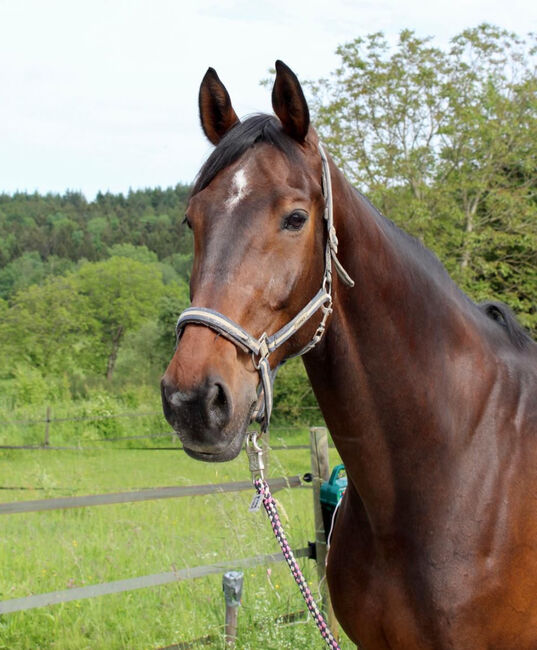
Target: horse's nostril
x: 173, y: 400
x: 208, y: 406
x: 220, y: 398
x: 218, y: 404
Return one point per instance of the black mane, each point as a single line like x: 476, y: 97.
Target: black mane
x: 245, y: 134
x: 500, y: 313
x: 495, y: 310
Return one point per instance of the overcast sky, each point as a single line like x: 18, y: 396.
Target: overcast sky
x: 102, y: 94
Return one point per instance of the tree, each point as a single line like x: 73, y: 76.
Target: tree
x: 21, y: 272
x: 445, y: 143
x: 49, y: 327
x: 30, y: 269
x: 139, y: 253
x: 381, y: 112
x: 121, y: 293
x: 172, y: 303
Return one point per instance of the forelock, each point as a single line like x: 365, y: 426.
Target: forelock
x: 240, y: 138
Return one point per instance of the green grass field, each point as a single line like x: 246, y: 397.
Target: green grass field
x: 48, y: 551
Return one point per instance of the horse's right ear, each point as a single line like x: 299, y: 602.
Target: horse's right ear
x: 216, y: 112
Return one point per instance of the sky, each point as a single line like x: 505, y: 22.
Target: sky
x: 101, y: 95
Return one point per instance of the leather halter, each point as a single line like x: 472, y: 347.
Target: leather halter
x: 260, y: 348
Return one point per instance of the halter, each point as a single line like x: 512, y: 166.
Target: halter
x: 260, y: 348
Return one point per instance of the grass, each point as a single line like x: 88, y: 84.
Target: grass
x: 48, y: 551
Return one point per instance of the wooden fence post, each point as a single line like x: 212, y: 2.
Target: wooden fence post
x: 232, y: 586
x: 47, y: 428
x: 320, y: 469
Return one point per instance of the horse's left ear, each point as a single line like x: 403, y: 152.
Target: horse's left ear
x: 216, y: 112
x: 289, y: 103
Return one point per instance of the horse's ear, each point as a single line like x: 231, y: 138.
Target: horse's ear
x: 289, y: 103
x: 216, y: 112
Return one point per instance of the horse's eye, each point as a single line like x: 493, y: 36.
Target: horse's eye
x: 187, y: 222
x: 295, y: 220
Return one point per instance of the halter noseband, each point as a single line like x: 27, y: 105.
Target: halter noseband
x: 262, y: 347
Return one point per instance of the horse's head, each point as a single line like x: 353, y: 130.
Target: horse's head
x: 257, y: 214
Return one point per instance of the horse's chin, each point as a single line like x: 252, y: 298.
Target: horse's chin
x: 229, y: 453
x: 235, y: 437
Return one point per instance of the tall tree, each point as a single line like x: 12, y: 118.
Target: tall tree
x: 49, y: 327
x: 121, y: 293
x: 445, y: 143
x: 382, y: 111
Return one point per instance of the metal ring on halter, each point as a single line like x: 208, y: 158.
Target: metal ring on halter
x: 253, y: 437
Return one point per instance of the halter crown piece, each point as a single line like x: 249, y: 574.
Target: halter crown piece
x: 260, y: 348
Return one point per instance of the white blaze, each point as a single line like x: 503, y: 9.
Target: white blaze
x: 239, y: 189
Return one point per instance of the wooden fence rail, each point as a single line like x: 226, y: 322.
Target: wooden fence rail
x: 49, y: 420
x: 95, y: 418
x: 91, y: 591
x: 154, y: 580
x: 155, y: 435
x: 149, y: 494
x: 319, y: 464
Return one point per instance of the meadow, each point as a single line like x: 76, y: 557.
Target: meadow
x: 48, y: 551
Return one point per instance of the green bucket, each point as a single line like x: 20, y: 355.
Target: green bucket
x: 331, y: 494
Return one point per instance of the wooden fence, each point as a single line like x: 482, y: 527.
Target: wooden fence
x: 46, y: 424
x: 320, y: 472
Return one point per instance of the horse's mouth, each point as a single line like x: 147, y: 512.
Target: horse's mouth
x: 215, y: 457
x: 225, y: 452
x: 229, y: 452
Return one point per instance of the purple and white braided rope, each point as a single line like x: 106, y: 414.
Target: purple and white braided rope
x: 270, y: 506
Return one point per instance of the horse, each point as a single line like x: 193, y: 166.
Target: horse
x: 430, y: 399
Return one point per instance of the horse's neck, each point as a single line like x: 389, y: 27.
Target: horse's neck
x: 379, y: 375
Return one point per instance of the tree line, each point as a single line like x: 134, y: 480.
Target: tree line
x: 68, y: 226
x: 48, y: 235
x: 79, y: 279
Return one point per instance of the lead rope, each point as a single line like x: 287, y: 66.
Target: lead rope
x: 255, y: 457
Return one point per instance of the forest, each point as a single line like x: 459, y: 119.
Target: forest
x: 442, y: 141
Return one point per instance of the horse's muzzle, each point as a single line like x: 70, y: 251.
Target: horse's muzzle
x: 203, y: 419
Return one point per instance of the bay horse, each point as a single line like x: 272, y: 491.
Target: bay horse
x: 431, y: 400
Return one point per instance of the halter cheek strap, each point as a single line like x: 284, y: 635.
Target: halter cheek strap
x: 263, y: 346
x: 332, y: 241
x: 260, y: 348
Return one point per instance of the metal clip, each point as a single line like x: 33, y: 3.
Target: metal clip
x: 255, y: 455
